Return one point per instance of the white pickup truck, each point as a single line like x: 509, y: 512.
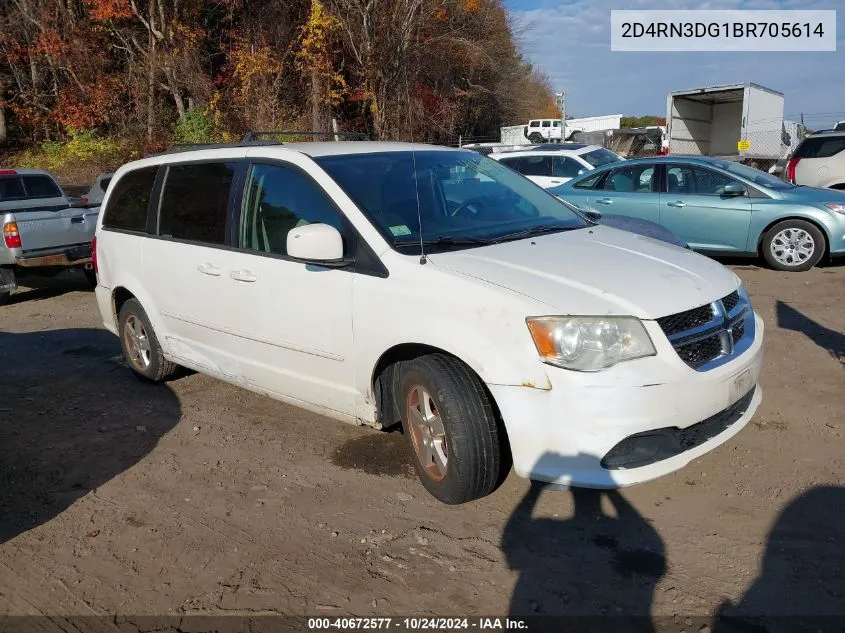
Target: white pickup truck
x: 43, y: 232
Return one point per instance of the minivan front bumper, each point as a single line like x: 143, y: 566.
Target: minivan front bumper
x: 633, y: 423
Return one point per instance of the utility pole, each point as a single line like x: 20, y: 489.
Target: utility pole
x: 560, y: 97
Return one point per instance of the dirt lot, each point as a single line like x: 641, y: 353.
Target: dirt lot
x: 197, y: 497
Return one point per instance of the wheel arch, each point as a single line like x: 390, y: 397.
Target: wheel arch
x: 820, y: 226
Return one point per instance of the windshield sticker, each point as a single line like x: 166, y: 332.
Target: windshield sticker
x: 400, y: 229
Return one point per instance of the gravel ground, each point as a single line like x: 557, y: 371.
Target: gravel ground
x: 196, y: 497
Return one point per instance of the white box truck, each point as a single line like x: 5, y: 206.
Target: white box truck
x: 741, y: 121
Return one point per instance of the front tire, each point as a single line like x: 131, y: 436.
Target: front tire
x: 450, y: 424
x: 141, y: 348
x: 793, y: 245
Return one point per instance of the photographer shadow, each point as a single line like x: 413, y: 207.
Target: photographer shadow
x: 601, y: 566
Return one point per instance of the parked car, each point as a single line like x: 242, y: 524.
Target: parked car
x: 553, y: 165
x: 394, y: 283
x: 632, y: 225
x: 543, y: 130
x: 42, y: 231
x: 98, y: 189
x: 720, y: 207
x: 819, y: 161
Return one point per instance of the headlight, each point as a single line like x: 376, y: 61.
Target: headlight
x: 839, y: 207
x: 589, y: 343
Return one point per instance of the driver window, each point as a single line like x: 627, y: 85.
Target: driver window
x: 688, y: 180
x: 535, y: 165
x: 276, y: 200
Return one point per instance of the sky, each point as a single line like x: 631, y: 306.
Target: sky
x: 570, y: 41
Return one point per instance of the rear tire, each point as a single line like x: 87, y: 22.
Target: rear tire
x: 4, y: 297
x: 536, y: 138
x: 140, y: 346
x: 451, y: 426
x: 793, y: 245
x: 91, y: 276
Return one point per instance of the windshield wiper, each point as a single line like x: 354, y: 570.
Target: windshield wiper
x: 534, y: 230
x: 447, y: 240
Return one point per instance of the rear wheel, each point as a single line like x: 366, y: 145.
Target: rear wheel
x: 141, y: 349
x: 793, y: 245
x: 452, y: 430
x: 91, y: 276
x: 536, y: 138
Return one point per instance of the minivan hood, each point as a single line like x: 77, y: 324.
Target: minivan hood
x: 597, y: 271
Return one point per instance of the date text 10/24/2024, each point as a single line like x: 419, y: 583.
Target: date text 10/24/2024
x: 417, y: 624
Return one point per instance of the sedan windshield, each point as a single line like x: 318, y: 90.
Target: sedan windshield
x: 601, y: 156
x: 446, y: 199
x: 754, y: 175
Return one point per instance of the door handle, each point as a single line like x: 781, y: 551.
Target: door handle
x: 209, y: 269
x: 243, y: 275
x: 678, y: 204
x: 604, y: 201
x: 79, y: 219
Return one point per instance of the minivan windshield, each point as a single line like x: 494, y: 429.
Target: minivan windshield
x: 460, y: 198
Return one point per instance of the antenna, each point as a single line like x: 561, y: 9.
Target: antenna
x: 423, y: 259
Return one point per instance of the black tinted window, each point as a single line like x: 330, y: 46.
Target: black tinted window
x: 565, y: 167
x: 41, y: 187
x: 127, y: 207
x: 820, y: 147
x: 195, y: 200
x: 11, y: 188
x: 278, y: 199
x: 535, y: 165
x: 104, y: 184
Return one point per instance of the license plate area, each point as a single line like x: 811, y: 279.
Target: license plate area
x: 741, y: 384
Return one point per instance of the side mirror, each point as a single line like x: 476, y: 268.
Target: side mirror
x: 315, y: 243
x: 733, y: 189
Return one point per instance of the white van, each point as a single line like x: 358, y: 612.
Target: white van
x: 388, y: 283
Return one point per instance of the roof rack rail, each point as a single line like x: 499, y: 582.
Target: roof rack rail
x: 256, y: 138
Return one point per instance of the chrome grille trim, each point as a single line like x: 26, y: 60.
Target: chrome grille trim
x: 716, y: 342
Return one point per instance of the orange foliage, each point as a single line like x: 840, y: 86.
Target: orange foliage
x: 549, y: 110
x: 77, y: 111
x: 102, y: 10
x: 49, y: 43
x: 471, y: 6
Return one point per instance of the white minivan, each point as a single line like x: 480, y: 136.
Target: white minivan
x: 392, y: 283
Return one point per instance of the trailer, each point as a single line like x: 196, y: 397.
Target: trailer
x: 742, y: 122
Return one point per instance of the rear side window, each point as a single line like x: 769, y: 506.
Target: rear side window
x: 41, y: 187
x: 195, y: 201
x: 11, y: 188
x: 820, y: 147
x: 634, y: 179
x: 590, y: 181
x: 127, y: 207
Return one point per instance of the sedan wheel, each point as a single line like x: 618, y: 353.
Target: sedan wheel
x: 793, y: 245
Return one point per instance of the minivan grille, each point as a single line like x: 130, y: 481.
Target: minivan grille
x: 709, y: 332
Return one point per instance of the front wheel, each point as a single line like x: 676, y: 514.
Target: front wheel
x: 793, y: 245
x: 457, y: 446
